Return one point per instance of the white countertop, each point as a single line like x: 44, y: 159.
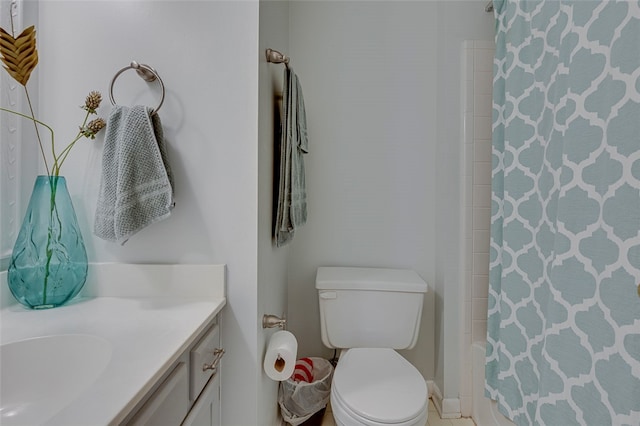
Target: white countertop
x: 159, y: 313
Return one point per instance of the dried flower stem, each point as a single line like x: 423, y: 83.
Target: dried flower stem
x: 35, y: 126
x: 65, y: 152
x: 35, y: 121
x: 33, y: 115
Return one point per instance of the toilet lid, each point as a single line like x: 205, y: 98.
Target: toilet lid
x: 379, y: 385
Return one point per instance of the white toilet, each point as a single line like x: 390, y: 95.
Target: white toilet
x: 367, y: 313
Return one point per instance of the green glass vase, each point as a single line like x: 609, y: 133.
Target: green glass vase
x: 49, y: 260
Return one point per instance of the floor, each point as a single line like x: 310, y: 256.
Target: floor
x: 432, y: 420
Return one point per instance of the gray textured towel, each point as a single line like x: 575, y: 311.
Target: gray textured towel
x: 137, y: 187
x: 292, y: 194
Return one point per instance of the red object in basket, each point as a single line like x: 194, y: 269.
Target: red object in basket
x: 303, y: 372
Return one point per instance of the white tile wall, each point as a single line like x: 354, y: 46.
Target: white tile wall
x: 477, y: 63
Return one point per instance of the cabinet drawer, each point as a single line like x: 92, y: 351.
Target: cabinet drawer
x: 169, y: 404
x: 204, y: 361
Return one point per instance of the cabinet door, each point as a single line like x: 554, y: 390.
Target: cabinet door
x: 169, y: 403
x: 206, y: 410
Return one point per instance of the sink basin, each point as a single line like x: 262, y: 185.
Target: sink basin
x: 41, y: 376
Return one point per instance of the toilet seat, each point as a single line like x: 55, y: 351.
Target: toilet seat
x: 343, y: 416
x: 378, y: 387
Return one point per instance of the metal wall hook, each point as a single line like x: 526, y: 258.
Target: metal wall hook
x: 276, y: 57
x: 271, y: 321
x: 144, y: 71
x: 489, y: 7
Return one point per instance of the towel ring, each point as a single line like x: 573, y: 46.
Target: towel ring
x: 144, y: 71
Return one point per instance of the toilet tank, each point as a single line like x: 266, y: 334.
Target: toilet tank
x: 369, y: 307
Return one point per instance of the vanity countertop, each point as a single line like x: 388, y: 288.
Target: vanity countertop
x: 148, y: 314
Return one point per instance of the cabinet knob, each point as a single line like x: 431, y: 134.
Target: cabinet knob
x: 218, y: 353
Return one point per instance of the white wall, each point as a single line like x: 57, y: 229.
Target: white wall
x: 368, y: 71
x: 19, y: 149
x: 272, y: 262
x: 207, y: 54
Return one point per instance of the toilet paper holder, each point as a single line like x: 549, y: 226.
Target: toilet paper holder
x: 271, y: 321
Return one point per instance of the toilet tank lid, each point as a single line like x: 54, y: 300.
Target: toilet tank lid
x: 381, y: 279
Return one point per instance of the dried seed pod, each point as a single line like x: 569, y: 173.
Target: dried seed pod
x: 19, y: 55
x: 93, y: 101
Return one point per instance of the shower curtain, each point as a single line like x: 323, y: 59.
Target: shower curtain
x: 563, y: 339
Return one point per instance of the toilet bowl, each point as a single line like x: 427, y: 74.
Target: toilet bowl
x: 378, y: 387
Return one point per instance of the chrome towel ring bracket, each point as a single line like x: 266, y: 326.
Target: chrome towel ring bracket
x: 144, y: 71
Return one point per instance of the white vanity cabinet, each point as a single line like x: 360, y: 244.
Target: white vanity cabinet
x: 188, y: 393
x: 158, y: 330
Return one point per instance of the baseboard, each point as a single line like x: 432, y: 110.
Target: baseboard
x: 448, y: 408
x: 430, y: 386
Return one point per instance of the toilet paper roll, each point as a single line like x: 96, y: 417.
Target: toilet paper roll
x: 280, y: 359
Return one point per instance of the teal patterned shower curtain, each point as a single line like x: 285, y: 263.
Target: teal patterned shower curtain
x: 563, y: 339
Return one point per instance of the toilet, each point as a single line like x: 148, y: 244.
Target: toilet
x: 368, y: 313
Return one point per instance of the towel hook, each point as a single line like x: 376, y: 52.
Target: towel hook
x: 147, y: 73
x: 271, y: 321
x: 276, y: 57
